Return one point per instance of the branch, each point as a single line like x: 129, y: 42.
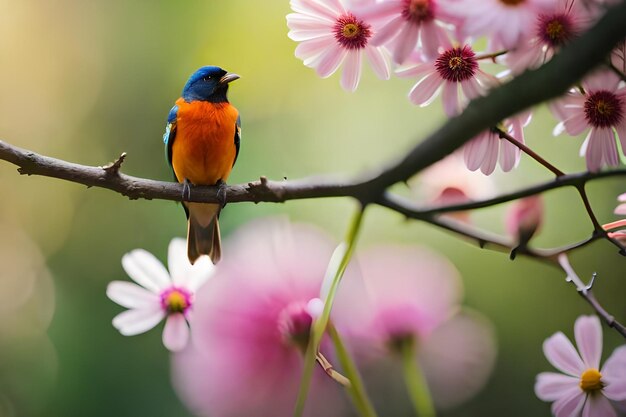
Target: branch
x: 524, y: 91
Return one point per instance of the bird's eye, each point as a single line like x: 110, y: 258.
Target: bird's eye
x: 207, y: 78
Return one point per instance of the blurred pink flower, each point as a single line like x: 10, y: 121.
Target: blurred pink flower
x: 524, y: 218
x: 158, y: 295
x: 506, y: 22
x: 252, y: 323
x: 554, y: 28
x: 449, y: 182
x: 584, y: 388
x: 409, y: 25
x: 455, y: 68
x: 602, y: 109
x: 413, y: 296
x: 331, y: 34
x: 487, y: 149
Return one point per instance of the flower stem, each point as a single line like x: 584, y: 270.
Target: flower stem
x: 416, y: 382
x: 356, y: 390
x: 319, y: 326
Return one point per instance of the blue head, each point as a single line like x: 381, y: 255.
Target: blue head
x: 208, y: 84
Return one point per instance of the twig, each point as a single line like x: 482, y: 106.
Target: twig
x: 504, y: 135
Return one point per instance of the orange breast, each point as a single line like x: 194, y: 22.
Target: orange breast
x: 204, y: 148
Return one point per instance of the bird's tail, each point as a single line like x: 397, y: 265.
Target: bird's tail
x: 203, y: 233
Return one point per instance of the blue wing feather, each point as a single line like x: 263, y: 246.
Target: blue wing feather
x: 170, y: 133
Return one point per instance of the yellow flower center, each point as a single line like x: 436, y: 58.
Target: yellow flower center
x: 350, y: 30
x: 591, y: 380
x: 555, y: 29
x: 176, y: 301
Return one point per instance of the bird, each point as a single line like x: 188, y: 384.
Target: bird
x: 202, y: 138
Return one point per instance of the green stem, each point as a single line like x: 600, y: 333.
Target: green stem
x: 416, y: 382
x: 318, y: 328
x: 356, y: 390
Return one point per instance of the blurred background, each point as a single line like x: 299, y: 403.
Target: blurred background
x: 85, y: 81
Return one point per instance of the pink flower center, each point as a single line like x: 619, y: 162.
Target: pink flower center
x: 457, y: 64
x: 418, y: 11
x: 603, y: 109
x: 294, y: 324
x: 350, y: 32
x: 555, y: 30
x: 175, y: 300
x: 591, y: 380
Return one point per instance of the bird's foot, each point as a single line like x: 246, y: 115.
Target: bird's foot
x: 186, y: 190
x: 221, y: 192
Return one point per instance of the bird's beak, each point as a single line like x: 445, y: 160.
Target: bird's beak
x: 228, y: 78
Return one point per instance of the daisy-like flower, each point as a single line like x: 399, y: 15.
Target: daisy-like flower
x: 409, y: 24
x: 487, y: 149
x: 159, y: 296
x: 553, y: 29
x: 252, y: 326
x: 602, y: 109
x: 585, y: 388
x: 506, y: 22
x: 331, y: 33
x: 410, y: 297
x: 455, y: 68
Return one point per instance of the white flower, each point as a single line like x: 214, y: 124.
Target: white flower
x: 159, y: 294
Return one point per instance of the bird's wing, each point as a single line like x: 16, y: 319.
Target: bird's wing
x: 170, y: 133
x: 237, y: 137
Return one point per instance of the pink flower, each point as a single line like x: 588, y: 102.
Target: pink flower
x: 252, y: 324
x: 412, y: 297
x: 565, y: 20
x: 448, y: 182
x: 455, y: 68
x: 331, y: 34
x: 602, y: 108
x: 487, y: 149
x: 585, y: 387
x: 409, y: 25
x: 524, y: 218
x: 506, y: 22
x: 158, y: 296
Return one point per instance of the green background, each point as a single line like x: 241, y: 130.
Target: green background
x: 85, y: 81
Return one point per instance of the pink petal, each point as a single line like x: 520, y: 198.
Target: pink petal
x: 562, y: 355
x: 405, y: 43
x: 136, y: 321
x: 474, y: 151
x: 416, y: 70
x: 571, y: 404
x: 299, y: 21
x: 429, y: 35
x: 378, y: 62
x: 146, y: 270
x: 621, y: 134
x: 576, y: 125
x: 471, y: 88
x: 328, y: 62
x: 351, y: 71
x: 598, y: 406
x: 509, y: 156
x: 593, y: 154
x: 491, y: 158
x: 450, y: 99
x: 601, y: 80
x: 131, y: 295
x: 176, y: 332
x: 620, y: 209
x: 308, y: 50
x: 423, y: 93
x: 387, y: 32
x: 588, y: 332
x: 306, y: 35
x: 611, y: 156
x: 551, y: 386
x: 614, y: 375
x: 201, y: 271
x: 313, y: 8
